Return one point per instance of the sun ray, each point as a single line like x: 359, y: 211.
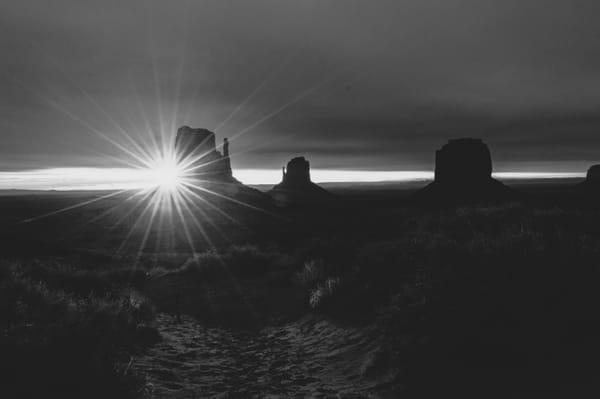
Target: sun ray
x: 242, y: 104
x: 54, y: 62
x: 112, y: 209
x: 282, y: 108
x: 57, y: 106
x: 230, y: 275
x: 148, y: 126
x: 146, y: 234
x: 212, y: 206
x: 186, y: 231
x: 254, y: 92
x: 69, y: 208
x: 176, y: 191
x: 136, y: 223
x: 198, y: 225
x: 199, y: 187
x: 189, y: 200
x: 139, y: 203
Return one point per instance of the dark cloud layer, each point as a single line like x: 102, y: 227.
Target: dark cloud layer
x: 370, y: 85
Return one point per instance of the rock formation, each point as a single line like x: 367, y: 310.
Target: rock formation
x: 463, y: 172
x: 297, y: 188
x: 593, y: 175
x: 297, y: 173
x: 463, y: 162
x: 212, y: 171
x: 198, y: 147
x: 589, y: 189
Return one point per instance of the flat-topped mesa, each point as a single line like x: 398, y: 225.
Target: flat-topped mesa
x: 593, y: 175
x: 297, y: 172
x: 589, y: 189
x: 463, y: 161
x: 296, y: 188
x: 190, y: 140
x: 198, y: 146
x: 463, y: 173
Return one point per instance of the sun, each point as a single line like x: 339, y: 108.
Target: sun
x: 165, y: 174
x: 167, y: 177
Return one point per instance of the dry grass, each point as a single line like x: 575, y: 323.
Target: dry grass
x: 70, y: 343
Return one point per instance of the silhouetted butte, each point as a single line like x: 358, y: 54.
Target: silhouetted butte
x: 589, y: 189
x: 463, y: 173
x: 593, y: 176
x: 211, y: 169
x: 296, y: 188
x: 197, y: 147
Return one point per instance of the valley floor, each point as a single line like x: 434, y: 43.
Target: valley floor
x: 375, y: 298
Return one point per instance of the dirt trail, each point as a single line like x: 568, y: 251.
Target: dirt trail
x: 306, y: 358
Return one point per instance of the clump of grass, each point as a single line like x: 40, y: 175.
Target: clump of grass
x: 69, y: 345
x: 311, y: 272
x: 240, y: 261
x: 314, y: 277
x: 329, y: 291
x: 64, y: 274
x: 323, y: 292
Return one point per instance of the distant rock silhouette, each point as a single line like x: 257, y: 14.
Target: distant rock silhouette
x: 463, y: 162
x: 297, y: 173
x: 463, y: 172
x: 296, y: 188
x: 212, y: 169
x: 589, y: 189
x: 198, y: 146
x: 593, y: 175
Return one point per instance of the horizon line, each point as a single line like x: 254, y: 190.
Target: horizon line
x: 97, y: 178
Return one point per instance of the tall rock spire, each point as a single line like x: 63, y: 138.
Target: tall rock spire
x: 225, y: 147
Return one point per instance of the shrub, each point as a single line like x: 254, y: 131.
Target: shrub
x: 323, y: 292
x: 57, y: 342
x: 246, y: 261
x: 495, y: 288
x: 311, y: 272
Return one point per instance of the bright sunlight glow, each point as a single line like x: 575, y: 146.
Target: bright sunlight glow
x: 163, y: 172
x: 167, y: 176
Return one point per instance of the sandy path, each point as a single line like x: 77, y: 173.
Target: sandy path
x: 307, y: 358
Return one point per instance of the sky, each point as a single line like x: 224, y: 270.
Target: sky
x: 351, y: 85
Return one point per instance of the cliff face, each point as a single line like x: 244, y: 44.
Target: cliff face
x: 463, y: 173
x: 198, y: 146
x: 296, y: 188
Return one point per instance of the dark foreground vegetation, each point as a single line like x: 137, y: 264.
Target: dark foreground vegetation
x: 483, y: 300
x: 69, y: 333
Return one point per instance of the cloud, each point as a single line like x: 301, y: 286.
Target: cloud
x: 390, y: 80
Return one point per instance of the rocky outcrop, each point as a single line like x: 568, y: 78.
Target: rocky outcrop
x: 211, y: 174
x: 297, y: 173
x: 197, y: 146
x: 296, y: 188
x: 463, y: 172
x: 463, y: 162
x: 593, y: 175
x: 589, y: 189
